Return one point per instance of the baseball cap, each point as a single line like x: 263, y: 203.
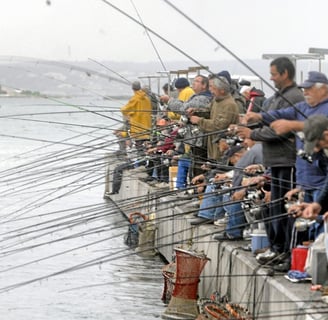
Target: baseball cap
x: 314, y: 77
x: 313, y: 129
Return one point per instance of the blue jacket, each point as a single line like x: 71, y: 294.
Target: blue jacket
x: 308, y: 175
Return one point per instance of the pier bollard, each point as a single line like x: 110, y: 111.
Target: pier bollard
x: 183, y: 303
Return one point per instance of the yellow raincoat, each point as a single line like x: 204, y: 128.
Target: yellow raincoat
x: 138, y: 111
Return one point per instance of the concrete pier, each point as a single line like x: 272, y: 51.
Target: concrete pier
x: 231, y: 271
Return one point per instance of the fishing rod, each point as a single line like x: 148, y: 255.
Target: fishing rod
x: 188, y: 56
x: 153, y: 32
x: 64, y: 154
x: 232, y: 54
x: 63, y: 81
x: 102, y: 259
x: 72, y: 182
x: 149, y: 37
x: 59, y: 227
x: 108, y: 3
x: 111, y: 70
x: 42, y: 215
x: 11, y: 175
x: 44, y: 201
x: 87, y: 71
x: 47, y: 177
x: 14, y: 116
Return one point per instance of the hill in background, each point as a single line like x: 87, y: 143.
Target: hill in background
x: 108, y: 78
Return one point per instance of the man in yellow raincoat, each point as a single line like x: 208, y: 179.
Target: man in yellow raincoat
x: 138, y: 112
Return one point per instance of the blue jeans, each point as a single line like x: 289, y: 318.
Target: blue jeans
x: 209, y: 208
x: 182, y: 174
x: 236, y: 222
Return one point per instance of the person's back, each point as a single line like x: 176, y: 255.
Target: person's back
x: 138, y: 110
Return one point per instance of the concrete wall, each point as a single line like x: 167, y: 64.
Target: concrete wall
x: 231, y: 270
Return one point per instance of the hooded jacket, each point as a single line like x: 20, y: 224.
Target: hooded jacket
x: 138, y: 111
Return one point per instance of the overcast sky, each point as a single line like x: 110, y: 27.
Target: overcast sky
x: 82, y: 29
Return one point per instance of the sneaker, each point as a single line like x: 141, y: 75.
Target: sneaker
x: 282, y: 266
x: 140, y: 169
x: 247, y: 234
x: 266, y: 256
x: 221, y: 222
x: 162, y: 185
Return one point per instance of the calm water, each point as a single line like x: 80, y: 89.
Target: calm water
x: 50, y: 199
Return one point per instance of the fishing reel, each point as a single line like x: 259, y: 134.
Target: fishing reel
x: 254, y: 195
x: 189, y: 129
x: 302, y: 224
x: 305, y: 156
x: 253, y: 209
x: 234, y: 140
x: 184, y: 119
x: 252, y: 205
x: 217, y: 184
x: 293, y: 201
x: 195, y: 130
x: 166, y: 160
x: 182, y: 132
x: 231, y: 138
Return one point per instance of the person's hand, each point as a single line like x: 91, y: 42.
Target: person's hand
x: 190, y: 111
x: 197, y: 179
x: 169, y: 152
x: 252, y: 117
x: 259, y: 181
x: 238, y: 195
x: 283, y: 126
x: 205, y: 166
x: 194, y: 119
x: 254, y: 169
x: 219, y: 177
x: 311, y: 211
x: 151, y: 150
x: 243, y: 132
x: 165, y: 98
x: 305, y: 210
x: 292, y: 194
x: 267, y: 196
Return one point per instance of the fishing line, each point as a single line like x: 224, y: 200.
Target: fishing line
x: 60, y: 80
x: 72, y: 191
x: 84, y: 208
x: 128, y: 82
x: 93, y: 262
x: 87, y: 71
x: 54, y: 158
x: 149, y: 37
x: 198, y: 26
x: 35, y: 202
x: 60, y: 227
x: 232, y: 54
x: 153, y: 32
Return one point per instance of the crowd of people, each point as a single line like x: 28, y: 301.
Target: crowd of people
x: 235, y: 148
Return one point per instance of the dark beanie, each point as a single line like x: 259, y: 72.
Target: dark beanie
x: 226, y: 74
x: 181, y: 83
